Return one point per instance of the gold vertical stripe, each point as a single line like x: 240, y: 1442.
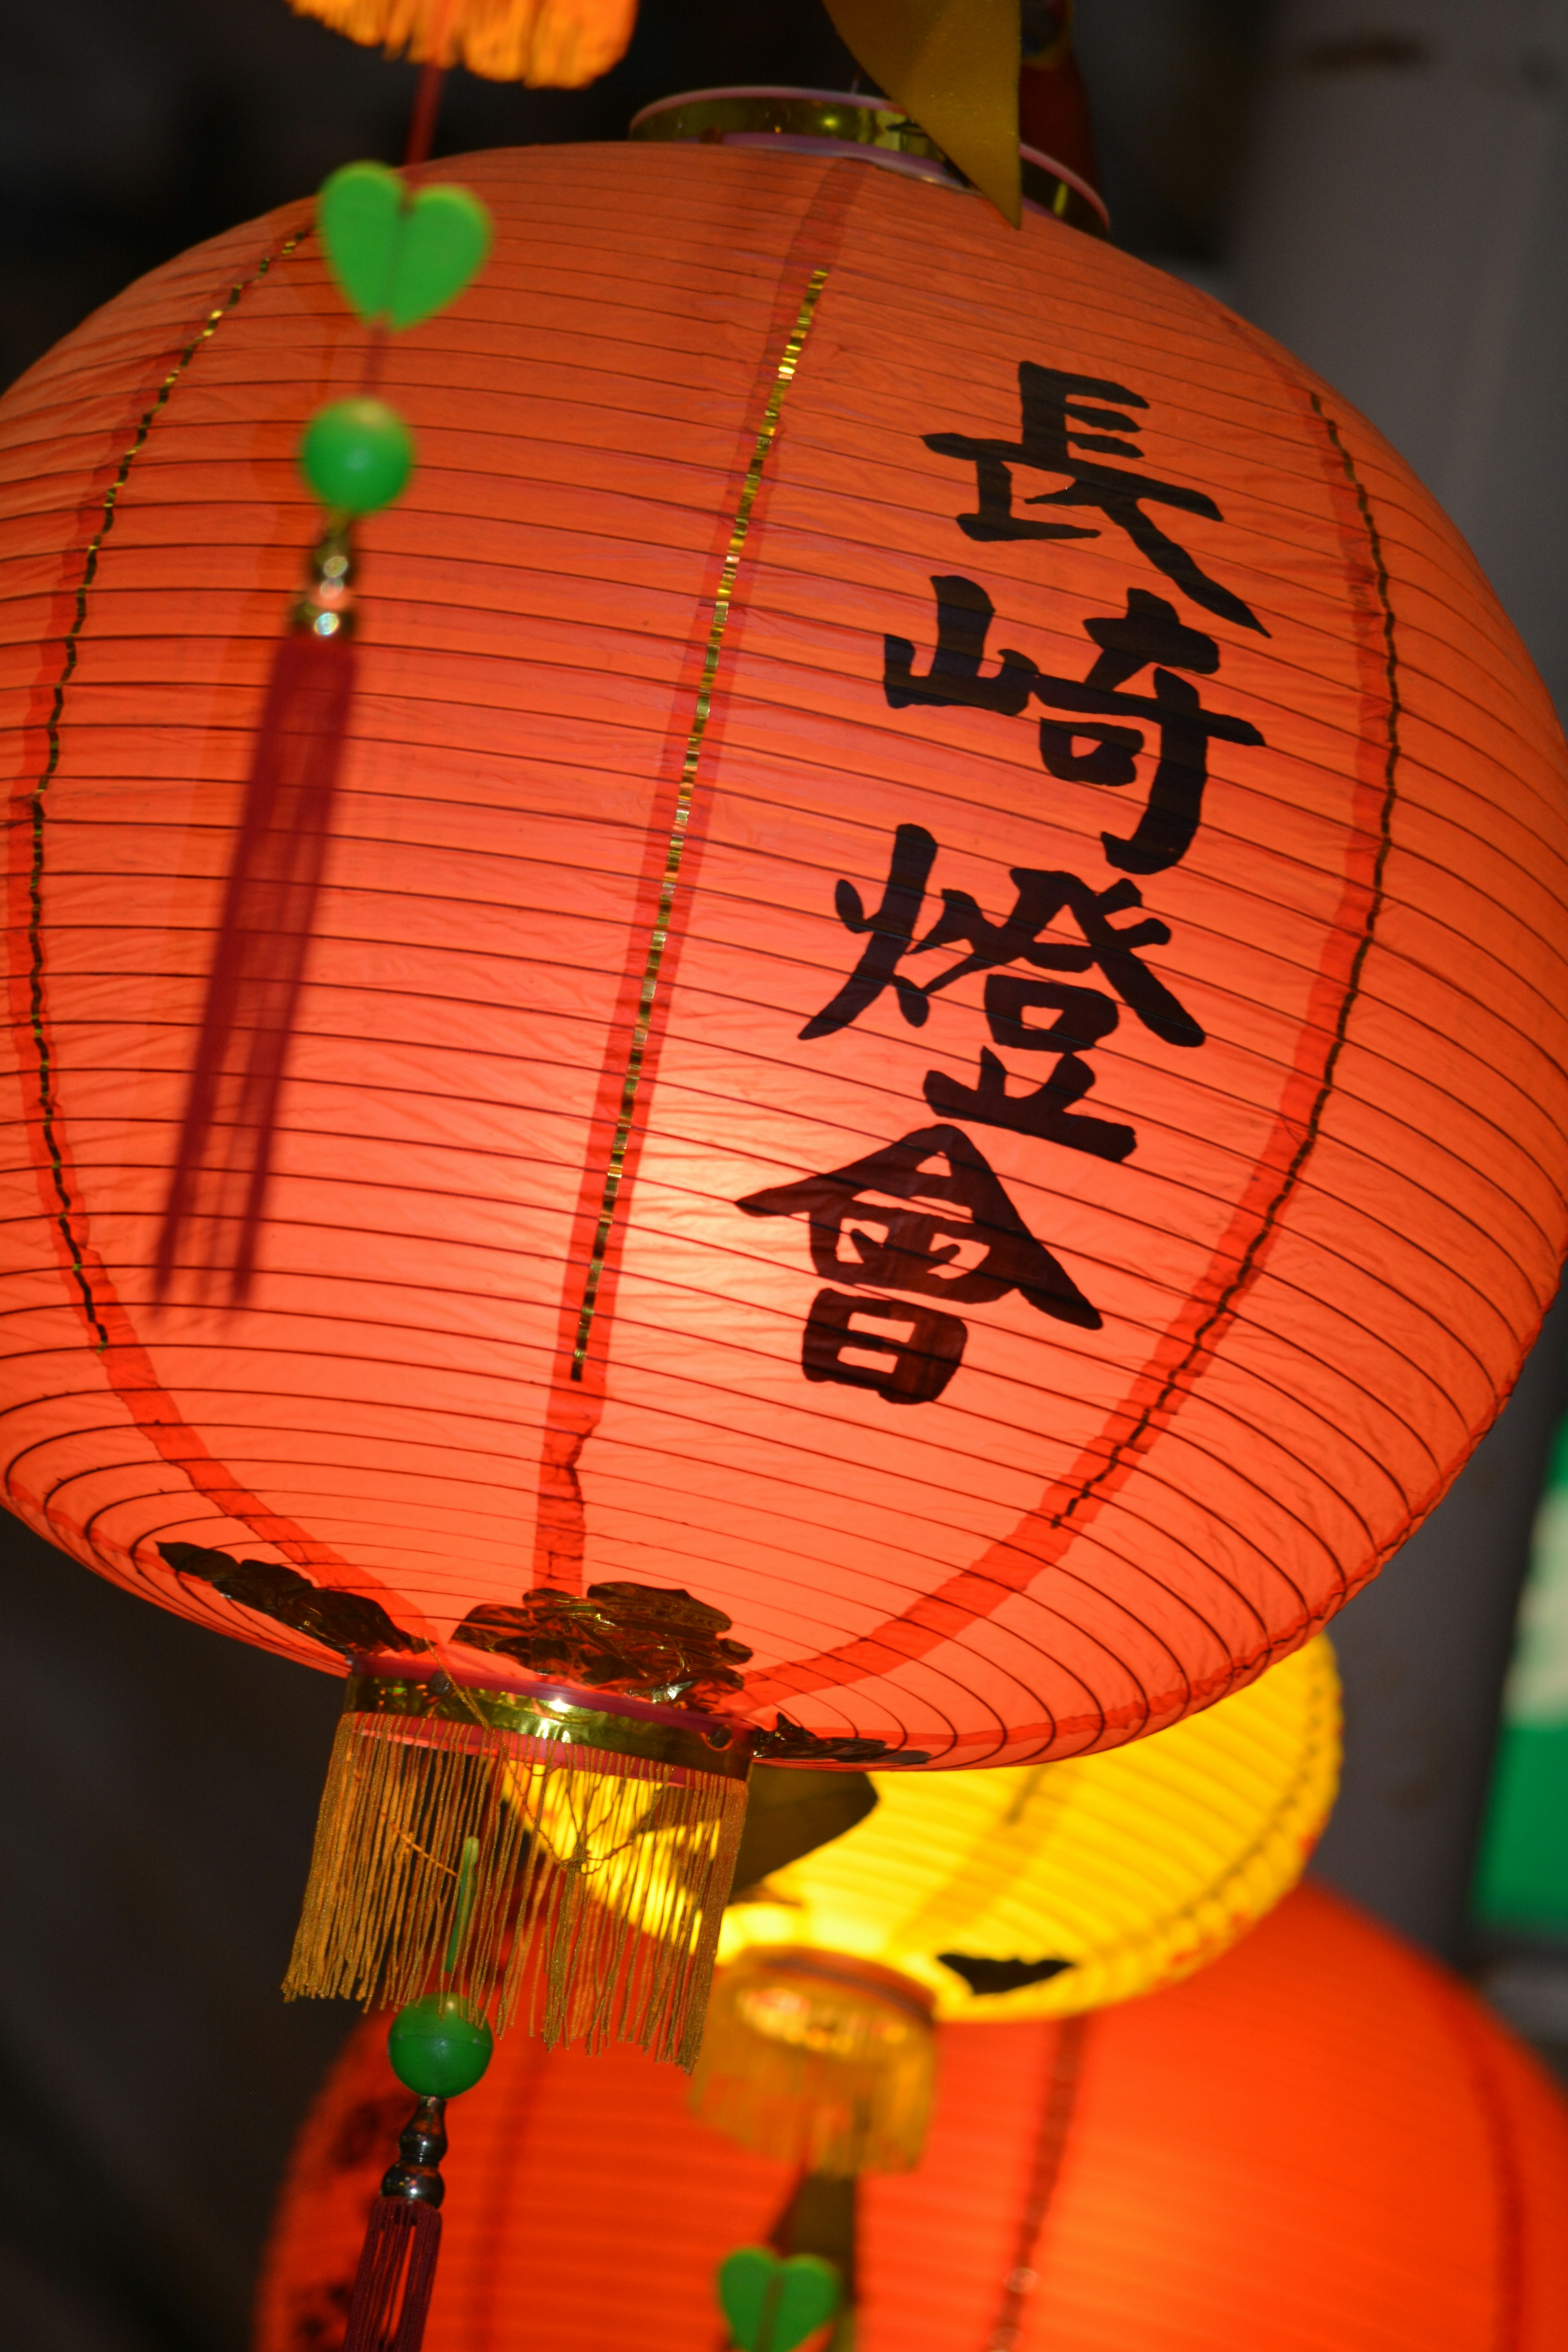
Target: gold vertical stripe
x: 789, y: 361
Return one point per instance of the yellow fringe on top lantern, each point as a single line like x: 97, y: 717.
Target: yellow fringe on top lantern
x: 825, y: 2064
x: 468, y: 1843
x: 548, y: 43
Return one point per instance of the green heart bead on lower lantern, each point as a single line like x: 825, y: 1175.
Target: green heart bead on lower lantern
x: 356, y: 456
x: 771, y: 2304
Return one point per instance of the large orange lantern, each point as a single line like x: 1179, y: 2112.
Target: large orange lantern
x: 1321, y: 2144
x: 927, y: 1110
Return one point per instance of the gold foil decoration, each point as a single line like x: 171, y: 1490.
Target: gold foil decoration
x: 953, y: 65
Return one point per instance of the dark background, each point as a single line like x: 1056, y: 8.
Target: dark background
x: 1385, y: 188
x: 130, y: 129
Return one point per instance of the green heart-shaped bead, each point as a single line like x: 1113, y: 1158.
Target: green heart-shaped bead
x: 359, y: 217
x: 772, y: 2305
x: 446, y: 236
x: 399, y: 257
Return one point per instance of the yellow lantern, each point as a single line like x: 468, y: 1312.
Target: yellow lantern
x: 1019, y: 1893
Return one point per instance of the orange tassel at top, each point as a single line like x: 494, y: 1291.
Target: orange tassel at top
x: 548, y: 43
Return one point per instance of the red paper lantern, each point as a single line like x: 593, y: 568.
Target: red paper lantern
x: 1321, y: 2144
x: 938, y: 1016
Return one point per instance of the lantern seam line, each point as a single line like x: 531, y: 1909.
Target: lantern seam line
x: 1053, y: 2130
x: 1303, y: 1152
x: 48, y: 1104
x: 789, y: 360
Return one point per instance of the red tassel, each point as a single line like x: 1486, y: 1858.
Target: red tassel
x: 396, y: 2272
x: 218, y: 1185
x: 397, y: 2263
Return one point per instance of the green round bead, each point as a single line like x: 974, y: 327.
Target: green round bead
x: 357, y: 455
x: 436, y: 2048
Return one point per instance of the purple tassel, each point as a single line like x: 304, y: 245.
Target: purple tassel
x: 397, y: 2263
x: 218, y: 1190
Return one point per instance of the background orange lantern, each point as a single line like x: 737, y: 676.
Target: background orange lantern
x: 1321, y: 2144
x: 939, y: 1016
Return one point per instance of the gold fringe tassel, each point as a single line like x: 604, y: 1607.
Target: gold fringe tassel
x: 822, y: 2062
x: 548, y: 43
x: 592, y: 1882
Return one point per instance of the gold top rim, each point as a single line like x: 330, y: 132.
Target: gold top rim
x: 844, y: 121
x: 710, y: 1745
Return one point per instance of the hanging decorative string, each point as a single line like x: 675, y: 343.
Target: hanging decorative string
x: 438, y: 2049
x: 398, y: 256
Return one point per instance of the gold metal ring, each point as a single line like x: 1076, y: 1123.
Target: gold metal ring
x: 832, y: 120
x: 711, y: 1745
